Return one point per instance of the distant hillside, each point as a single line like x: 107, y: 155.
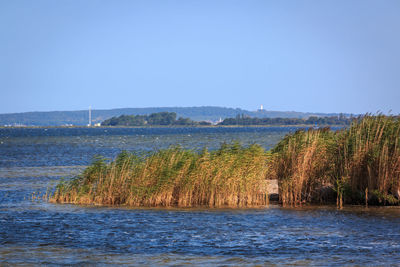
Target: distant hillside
x: 81, y: 117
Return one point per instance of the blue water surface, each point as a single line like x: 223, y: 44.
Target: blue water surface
x: 35, y: 232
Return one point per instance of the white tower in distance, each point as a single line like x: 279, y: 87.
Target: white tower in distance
x: 90, y: 116
x: 261, y: 107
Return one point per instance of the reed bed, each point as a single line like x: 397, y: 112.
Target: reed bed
x: 233, y: 176
x: 360, y: 165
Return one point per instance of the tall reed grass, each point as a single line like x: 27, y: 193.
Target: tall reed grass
x: 361, y: 164
x: 233, y: 176
x: 358, y: 165
x: 302, y: 163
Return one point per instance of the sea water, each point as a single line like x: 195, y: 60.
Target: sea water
x: 35, y: 232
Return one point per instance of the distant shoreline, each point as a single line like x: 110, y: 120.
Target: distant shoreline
x: 175, y: 126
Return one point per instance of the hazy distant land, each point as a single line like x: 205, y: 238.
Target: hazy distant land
x: 81, y: 117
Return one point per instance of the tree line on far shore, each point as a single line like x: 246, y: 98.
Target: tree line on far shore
x: 170, y: 119
x: 312, y: 120
x: 160, y: 118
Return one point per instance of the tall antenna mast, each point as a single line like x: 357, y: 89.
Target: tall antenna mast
x: 90, y: 116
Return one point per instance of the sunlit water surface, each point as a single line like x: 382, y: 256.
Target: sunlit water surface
x: 34, y: 232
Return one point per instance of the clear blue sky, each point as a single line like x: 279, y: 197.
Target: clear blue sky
x: 322, y: 56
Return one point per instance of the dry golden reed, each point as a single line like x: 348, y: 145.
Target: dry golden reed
x: 358, y: 165
x: 361, y: 164
x: 232, y: 176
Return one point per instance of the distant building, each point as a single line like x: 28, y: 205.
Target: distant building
x: 216, y: 122
x: 261, y: 109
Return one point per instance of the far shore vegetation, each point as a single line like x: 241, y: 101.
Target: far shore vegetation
x: 154, y: 119
x: 340, y: 120
x: 355, y: 165
x: 170, y: 119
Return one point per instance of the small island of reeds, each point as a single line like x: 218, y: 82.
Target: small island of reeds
x: 356, y: 165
